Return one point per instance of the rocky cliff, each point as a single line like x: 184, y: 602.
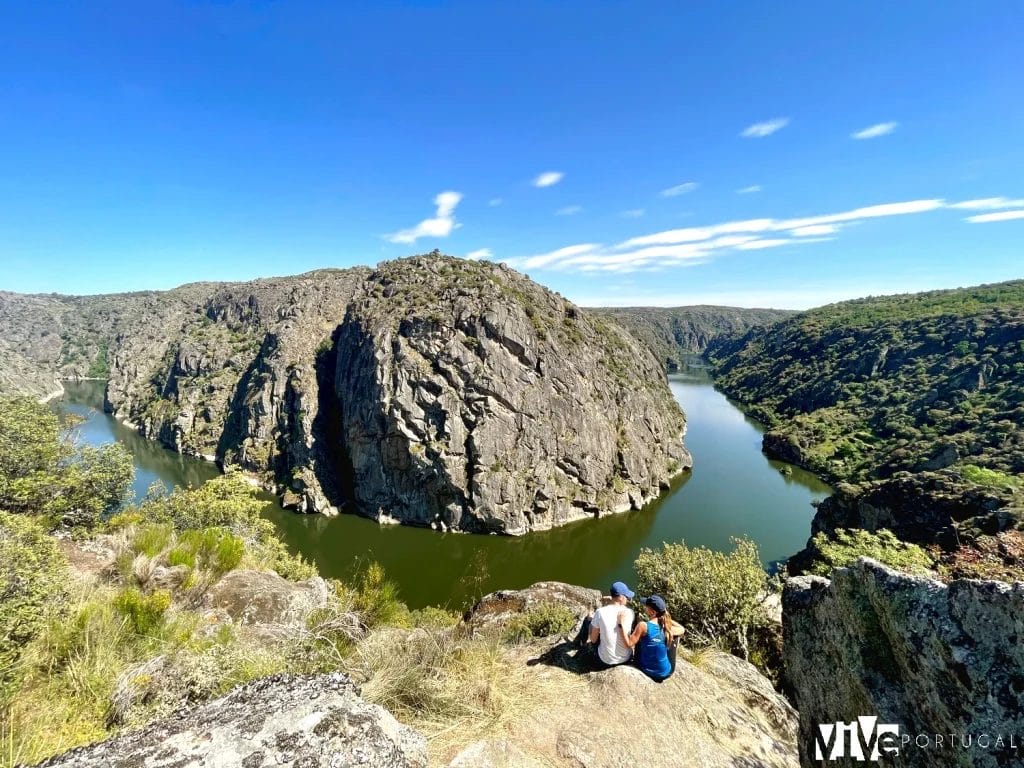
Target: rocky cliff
x: 677, y: 332
x: 943, y: 662
x: 432, y: 391
x: 287, y: 720
x: 474, y: 399
x: 237, y: 378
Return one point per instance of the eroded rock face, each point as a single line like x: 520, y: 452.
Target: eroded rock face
x: 930, y: 657
x: 285, y: 720
x: 474, y: 399
x: 236, y: 378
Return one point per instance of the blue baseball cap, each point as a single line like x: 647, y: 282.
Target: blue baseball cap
x: 619, y: 589
x: 657, y: 602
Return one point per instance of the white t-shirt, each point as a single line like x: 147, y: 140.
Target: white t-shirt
x: 610, y: 648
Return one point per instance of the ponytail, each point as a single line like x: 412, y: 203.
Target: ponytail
x: 665, y: 622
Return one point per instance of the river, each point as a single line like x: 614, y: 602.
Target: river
x: 733, y: 490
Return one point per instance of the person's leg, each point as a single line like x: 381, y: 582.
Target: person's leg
x: 580, y: 641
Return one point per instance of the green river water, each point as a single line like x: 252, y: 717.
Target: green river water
x: 733, y: 490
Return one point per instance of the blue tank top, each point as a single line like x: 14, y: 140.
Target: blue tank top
x: 653, y: 655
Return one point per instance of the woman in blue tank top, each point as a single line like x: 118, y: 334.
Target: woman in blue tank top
x: 652, y: 639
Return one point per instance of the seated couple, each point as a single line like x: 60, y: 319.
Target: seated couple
x: 651, y: 644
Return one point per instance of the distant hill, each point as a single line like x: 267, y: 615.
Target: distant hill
x: 676, y: 332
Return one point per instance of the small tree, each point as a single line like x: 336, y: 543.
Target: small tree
x: 716, y: 596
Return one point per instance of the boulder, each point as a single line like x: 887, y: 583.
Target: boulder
x: 285, y: 720
x: 499, y: 607
x: 259, y: 597
x: 929, y: 657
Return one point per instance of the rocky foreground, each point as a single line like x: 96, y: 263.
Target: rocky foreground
x: 933, y: 658
x: 432, y: 391
x: 715, y: 711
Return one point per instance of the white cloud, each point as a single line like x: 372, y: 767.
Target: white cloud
x: 749, y: 190
x: 680, y: 189
x: 874, y: 131
x: 440, y: 226
x: 495, y: 202
x: 814, y: 230
x: 690, y: 246
x: 548, y: 179
x: 569, y: 210
x: 633, y: 213
x: 544, y: 259
x: 984, y: 218
x: 479, y: 253
x: 988, y: 204
x: 767, y: 128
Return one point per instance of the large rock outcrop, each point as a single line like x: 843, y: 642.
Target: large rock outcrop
x: 433, y: 391
x: 474, y: 399
x: 930, y: 657
x: 285, y: 720
x: 238, y: 379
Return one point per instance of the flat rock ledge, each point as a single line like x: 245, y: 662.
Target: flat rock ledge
x: 304, y: 721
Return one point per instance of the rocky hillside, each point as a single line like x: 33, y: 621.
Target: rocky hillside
x: 928, y: 657
x: 50, y: 337
x: 472, y: 398
x: 914, y: 404
x: 674, y: 333
x: 867, y: 388
x: 432, y: 391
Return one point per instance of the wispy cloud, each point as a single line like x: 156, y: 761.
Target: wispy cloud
x: 984, y: 218
x: 749, y: 190
x: 874, y: 131
x: 441, y: 225
x: 988, y: 204
x: 569, y: 210
x: 690, y: 246
x: 494, y: 202
x: 633, y: 213
x: 548, y: 179
x: 479, y: 253
x: 767, y: 128
x: 680, y: 189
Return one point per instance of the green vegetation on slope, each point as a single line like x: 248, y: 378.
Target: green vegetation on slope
x: 866, y: 388
x: 674, y: 333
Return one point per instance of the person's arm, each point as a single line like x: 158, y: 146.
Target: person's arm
x: 631, y: 639
x: 595, y: 633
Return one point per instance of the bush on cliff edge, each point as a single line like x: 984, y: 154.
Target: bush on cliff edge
x: 717, y: 597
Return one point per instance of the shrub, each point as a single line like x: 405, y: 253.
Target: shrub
x: 845, y: 546
x: 145, y: 613
x: 227, y: 504
x: 716, y: 596
x: 375, y: 599
x: 32, y: 577
x: 212, y: 549
x: 43, y: 473
x: 542, y: 620
x: 989, y: 477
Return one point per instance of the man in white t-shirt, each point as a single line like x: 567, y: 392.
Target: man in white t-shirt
x: 611, y: 650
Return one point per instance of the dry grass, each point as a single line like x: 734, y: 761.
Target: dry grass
x: 455, y: 689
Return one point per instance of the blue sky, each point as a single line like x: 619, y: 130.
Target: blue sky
x: 620, y: 153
